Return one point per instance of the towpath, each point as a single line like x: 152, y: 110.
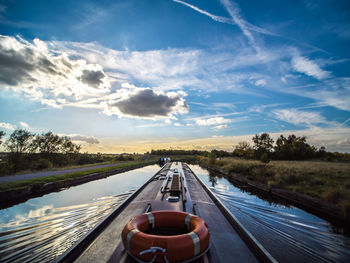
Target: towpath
x: 17, y: 177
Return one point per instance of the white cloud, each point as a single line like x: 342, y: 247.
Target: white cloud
x: 261, y: 83
x: 46, y: 75
x: 212, y: 121
x: 209, y: 70
x: 206, y: 70
x: 298, y: 117
x: 220, y: 127
x: 7, y: 126
x: 23, y: 124
x: 308, y: 67
x: 331, y: 92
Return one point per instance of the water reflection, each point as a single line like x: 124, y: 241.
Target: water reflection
x: 288, y: 233
x: 43, y: 228
x: 213, y: 180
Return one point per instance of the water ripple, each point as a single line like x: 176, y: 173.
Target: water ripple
x: 45, y: 233
x: 290, y: 234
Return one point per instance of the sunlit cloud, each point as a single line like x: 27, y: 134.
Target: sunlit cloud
x: 53, y: 78
x: 298, y: 117
x: 308, y: 67
x: 261, y: 83
x: 220, y: 127
x: 7, y: 126
x: 212, y: 121
x: 46, y: 75
x: 23, y: 124
x: 334, y: 139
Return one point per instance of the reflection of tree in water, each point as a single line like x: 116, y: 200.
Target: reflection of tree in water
x: 213, y: 180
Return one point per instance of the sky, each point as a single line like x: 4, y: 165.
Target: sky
x: 137, y: 75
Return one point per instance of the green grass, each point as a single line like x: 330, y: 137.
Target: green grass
x: 329, y: 181
x: 63, y: 177
x: 71, y: 167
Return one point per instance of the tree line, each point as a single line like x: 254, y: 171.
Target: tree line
x: 26, y: 150
x: 165, y: 152
x: 264, y: 148
x: 291, y: 147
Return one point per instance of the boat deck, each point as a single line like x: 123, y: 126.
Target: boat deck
x: 225, y: 246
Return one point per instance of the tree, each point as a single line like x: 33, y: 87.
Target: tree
x: 2, y: 134
x: 263, y: 144
x: 55, y: 148
x: 212, y: 157
x: 243, y: 149
x: 47, y: 143
x: 293, y: 148
x: 68, y: 147
x: 19, y: 141
x: 18, y: 144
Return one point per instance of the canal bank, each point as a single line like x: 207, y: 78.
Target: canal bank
x: 27, y: 189
x: 321, y: 208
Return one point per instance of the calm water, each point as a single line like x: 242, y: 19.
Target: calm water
x: 42, y: 228
x: 288, y: 233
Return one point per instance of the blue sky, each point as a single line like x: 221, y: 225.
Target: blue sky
x: 138, y: 75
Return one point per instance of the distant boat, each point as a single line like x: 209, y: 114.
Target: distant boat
x: 163, y: 160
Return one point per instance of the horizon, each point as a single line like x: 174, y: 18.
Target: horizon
x: 135, y: 76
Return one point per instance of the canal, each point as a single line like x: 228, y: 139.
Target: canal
x: 288, y: 233
x: 42, y: 228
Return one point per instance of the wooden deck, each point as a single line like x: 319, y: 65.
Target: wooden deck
x: 226, y: 244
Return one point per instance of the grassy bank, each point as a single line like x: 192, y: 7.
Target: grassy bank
x: 63, y: 177
x: 329, y: 181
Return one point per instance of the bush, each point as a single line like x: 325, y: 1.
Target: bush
x: 212, y: 158
x: 42, y: 164
x: 336, y: 195
x: 265, y: 158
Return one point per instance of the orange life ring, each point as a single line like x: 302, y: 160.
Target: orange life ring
x: 153, y: 248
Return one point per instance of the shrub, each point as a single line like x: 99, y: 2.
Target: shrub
x: 265, y: 158
x: 212, y: 157
x: 42, y: 164
x: 336, y: 195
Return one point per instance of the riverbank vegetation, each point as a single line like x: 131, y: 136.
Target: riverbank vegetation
x: 290, y: 163
x: 27, y: 151
x: 329, y: 181
x: 37, y: 182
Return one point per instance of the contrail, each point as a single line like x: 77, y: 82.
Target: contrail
x: 214, y: 17
x: 234, y: 12
x: 226, y: 20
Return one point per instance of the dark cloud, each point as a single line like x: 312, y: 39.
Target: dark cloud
x: 18, y: 65
x: 146, y: 103
x: 15, y: 66
x: 81, y: 138
x: 92, y: 78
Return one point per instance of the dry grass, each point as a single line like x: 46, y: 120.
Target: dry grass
x: 329, y: 181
